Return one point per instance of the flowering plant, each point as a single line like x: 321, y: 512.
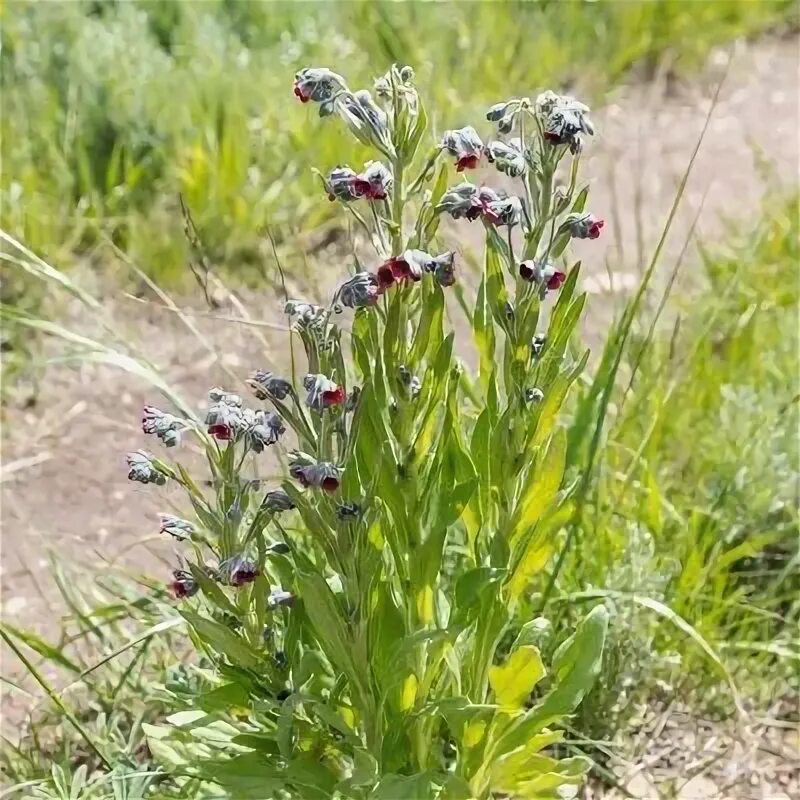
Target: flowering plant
x: 367, y: 625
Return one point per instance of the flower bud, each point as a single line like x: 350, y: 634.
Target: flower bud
x: 465, y: 146
x: 265, y: 386
x: 360, y: 291
x: 176, y: 527
x: 276, y: 501
x: 444, y: 268
x: 340, y: 185
x: 143, y: 469
x: 563, y: 119
x: 348, y: 511
x: 374, y: 182
x: 503, y: 211
x: 546, y: 276
x: 264, y: 429
x: 507, y: 157
x: 538, y: 343
x: 166, y: 427
x: 279, y: 549
x: 461, y: 202
x: 534, y: 395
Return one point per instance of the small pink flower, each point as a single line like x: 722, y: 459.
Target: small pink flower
x: 465, y: 146
x: 183, y: 585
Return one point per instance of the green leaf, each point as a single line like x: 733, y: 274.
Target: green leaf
x: 223, y: 641
x: 513, y: 681
x: 541, y: 488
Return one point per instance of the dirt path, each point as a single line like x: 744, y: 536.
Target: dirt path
x: 63, y: 480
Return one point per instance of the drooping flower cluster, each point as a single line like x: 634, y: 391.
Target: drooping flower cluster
x: 227, y: 419
x: 563, y: 120
x: 373, y: 183
x: 470, y: 202
x: 143, y: 468
x: 167, y: 427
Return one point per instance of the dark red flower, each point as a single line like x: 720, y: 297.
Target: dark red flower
x: 298, y: 93
x: 244, y: 572
x: 183, y: 585
x: 552, y: 138
x: 222, y: 433
x: 330, y: 484
x: 467, y: 162
x: 385, y: 276
x: 594, y: 228
x: 333, y: 397
x: 555, y: 280
x: 527, y: 270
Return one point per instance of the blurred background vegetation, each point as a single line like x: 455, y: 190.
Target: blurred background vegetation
x: 111, y: 108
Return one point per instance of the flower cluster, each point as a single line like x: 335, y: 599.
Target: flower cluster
x: 166, y: 427
x: 143, y: 468
x: 470, y: 202
x: 373, y: 183
x: 563, y: 120
x: 227, y: 419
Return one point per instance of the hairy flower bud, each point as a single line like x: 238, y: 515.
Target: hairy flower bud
x: 340, y: 185
x: 265, y: 386
x: 545, y: 276
x: 563, y: 118
x: 507, y: 157
x: 238, y: 571
x: 166, y: 427
x: 360, y: 291
x: 276, y: 501
x: 443, y: 267
x: 176, y: 527
x: 280, y: 599
x: 375, y: 182
x: 142, y: 468
x: 263, y: 428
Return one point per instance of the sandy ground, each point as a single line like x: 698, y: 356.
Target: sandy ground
x: 63, y: 484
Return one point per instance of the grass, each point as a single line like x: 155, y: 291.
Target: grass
x: 119, y: 107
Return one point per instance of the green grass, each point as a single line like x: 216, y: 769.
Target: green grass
x: 110, y: 110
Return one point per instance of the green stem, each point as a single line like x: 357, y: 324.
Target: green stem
x: 397, y: 208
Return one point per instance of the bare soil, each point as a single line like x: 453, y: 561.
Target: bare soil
x: 63, y: 486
